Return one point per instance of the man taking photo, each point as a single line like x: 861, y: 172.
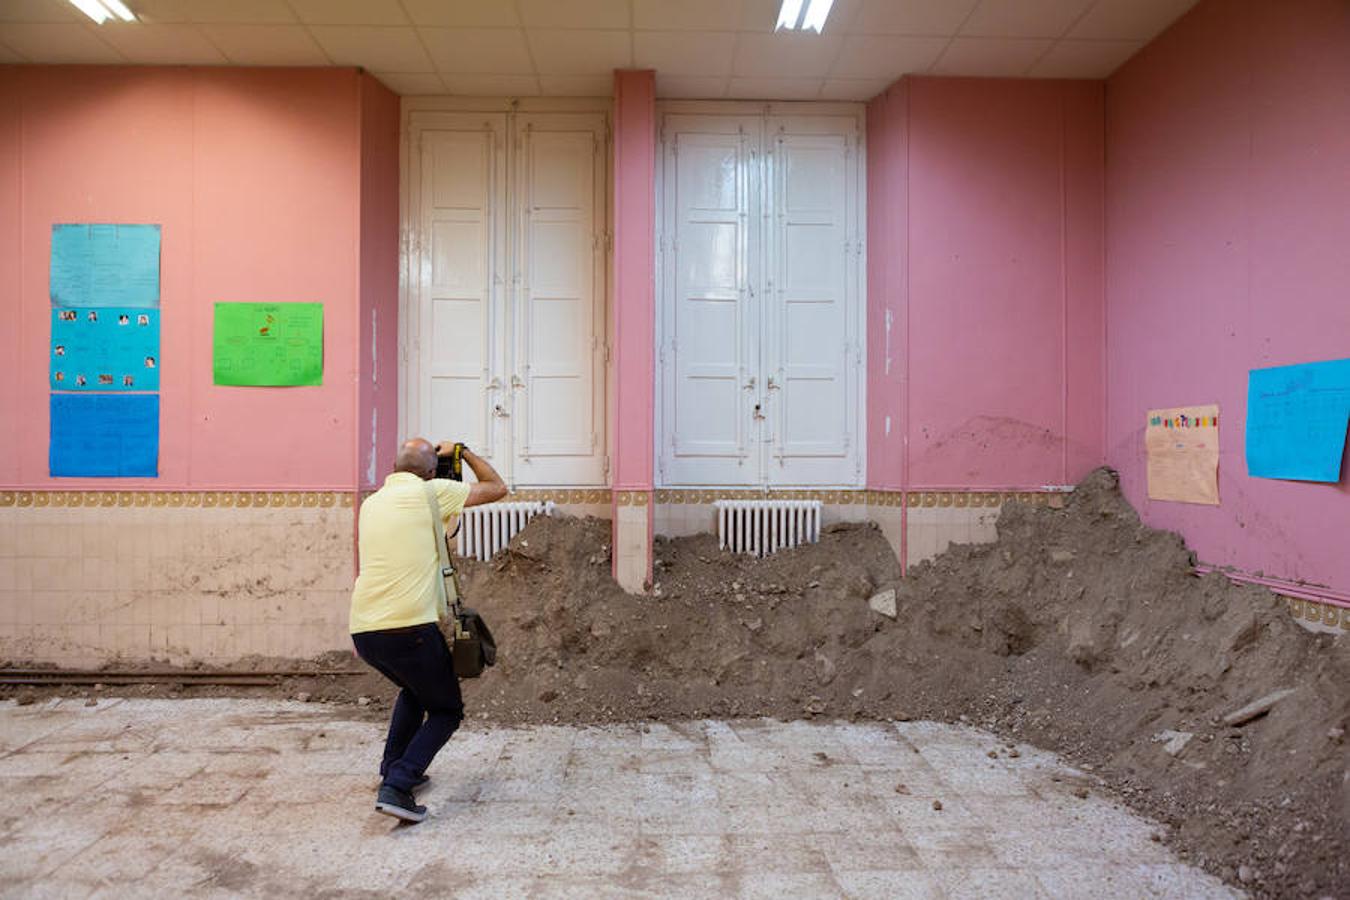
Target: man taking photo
x: 396, y: 604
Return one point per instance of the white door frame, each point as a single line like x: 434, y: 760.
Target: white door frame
x: 855, y: 115
x: 423, y: 113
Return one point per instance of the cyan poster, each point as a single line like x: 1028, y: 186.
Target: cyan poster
x: 104, y: 436
x: 1296, y: 421
x: 105, y: 265
x: 105, y: 349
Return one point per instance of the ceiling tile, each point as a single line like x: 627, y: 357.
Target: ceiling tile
x: 40, y: 11
x: 72, y: 43
x: 1023, y: 18
x: 377, y: 49
x: 931, y: 17
x: 886, y: 56
x: 990, y: 57
x: 774, y: 88
x: 266, y: 45
x: 163, y: 45
x: 690, y: 87
x: 785, y: 55
x: 575, y: 13
x: 1084, y: 59
x: 687, y: 15
x: 462, y: 13
x: 250, y: 12
x: 349, y: 12
x: 854, y: 88
x: 684, y: 52
x: 762, y: 15
x: 1137, y: 20
x: 491, y: 51
x: 492, y: 85
x: 420, y: 84
x: 576, y: 85
x: 580, y: 52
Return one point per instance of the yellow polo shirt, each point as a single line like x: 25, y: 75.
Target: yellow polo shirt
x: 399, y: 563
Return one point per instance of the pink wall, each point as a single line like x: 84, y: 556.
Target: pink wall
x: 255, y: 177
x: 985, y: 249
x: 1228, y: 210
x: 634, y: 285
x: 377, y: 419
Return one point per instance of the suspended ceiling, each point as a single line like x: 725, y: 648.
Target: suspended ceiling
x: 699, y: 48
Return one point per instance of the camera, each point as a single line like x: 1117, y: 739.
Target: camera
x: 451, y: 465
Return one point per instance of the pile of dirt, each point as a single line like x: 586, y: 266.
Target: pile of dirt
x: 1080, y: 630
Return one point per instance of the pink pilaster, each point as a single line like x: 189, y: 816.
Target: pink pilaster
x: 634, y: 316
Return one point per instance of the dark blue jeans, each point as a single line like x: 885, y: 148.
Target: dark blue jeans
x: 429, y: 707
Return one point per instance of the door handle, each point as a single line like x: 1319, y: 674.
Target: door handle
x: 750, y: 385
x: 517, y: 383
x: 771, y: 384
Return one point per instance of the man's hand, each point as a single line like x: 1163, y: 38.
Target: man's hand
x: 445, y: 448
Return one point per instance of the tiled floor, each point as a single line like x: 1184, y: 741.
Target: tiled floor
x: 232, y: 797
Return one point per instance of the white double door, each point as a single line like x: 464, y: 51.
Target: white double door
x: 508, y: 264
x: 760, y: 325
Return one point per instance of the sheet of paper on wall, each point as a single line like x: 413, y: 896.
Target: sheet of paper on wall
x: 104, y: 348
x: 1183, y: 454
x: 104, y: 436
x: 268, y: 344
x: 105, y: 265
x: 1296, y: 421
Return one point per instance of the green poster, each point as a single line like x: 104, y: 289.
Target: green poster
x: 268, y: 344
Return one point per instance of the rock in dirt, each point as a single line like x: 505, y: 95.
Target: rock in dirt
x: 883, y: 603
x: 1256, y: 708
x: 937, y: 805
x: 1173, y: 741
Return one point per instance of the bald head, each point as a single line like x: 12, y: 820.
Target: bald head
x: 418, y: 457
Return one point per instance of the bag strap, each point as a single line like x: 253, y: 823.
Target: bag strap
x: 446, y: 568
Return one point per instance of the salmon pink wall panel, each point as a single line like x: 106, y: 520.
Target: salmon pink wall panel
x: 985, y: 245
x: 377, y: 421
x: 275, y: 210
x: 255, y: 176
x: 1228, y: 210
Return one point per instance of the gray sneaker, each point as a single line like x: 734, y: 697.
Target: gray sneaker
x: 399, y: 804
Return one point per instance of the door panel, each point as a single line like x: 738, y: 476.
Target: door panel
x: 760, y: 301
x: 558, y: 375
x: 510, y: 291
x: 458, y: 351
x: 709, y: 324
x: 812, y: 403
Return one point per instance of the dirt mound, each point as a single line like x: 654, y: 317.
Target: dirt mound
x: 1079, y: 630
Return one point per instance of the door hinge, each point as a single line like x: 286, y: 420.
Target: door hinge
x: 605, y: 466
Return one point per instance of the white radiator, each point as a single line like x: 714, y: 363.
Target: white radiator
x: 763, y: 526
x: 483, y: 530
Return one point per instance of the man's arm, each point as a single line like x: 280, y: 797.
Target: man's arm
x: 489, y: 487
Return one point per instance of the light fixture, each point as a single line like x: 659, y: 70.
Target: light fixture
x: 790, y: 15
x: 103, y: 10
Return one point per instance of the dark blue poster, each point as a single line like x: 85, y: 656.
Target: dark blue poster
x: 104, y: 436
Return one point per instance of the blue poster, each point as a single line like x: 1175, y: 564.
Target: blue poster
x: 108, y: 348
x: 105, y: 265
x: 104, y: 436
x: 1296, y: 421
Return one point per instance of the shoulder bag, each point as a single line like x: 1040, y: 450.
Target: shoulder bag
x: 473, y: 649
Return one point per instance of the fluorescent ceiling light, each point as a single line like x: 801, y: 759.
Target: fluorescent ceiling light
x: 102, y: 10
x: 816, y: 14
x: 119, y: 9
x: 790, y: 15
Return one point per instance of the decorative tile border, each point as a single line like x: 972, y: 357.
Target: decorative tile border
x: 1324, y: 614
x: 912, y: 500
x: 177, y: 499
x: 633, y: 498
